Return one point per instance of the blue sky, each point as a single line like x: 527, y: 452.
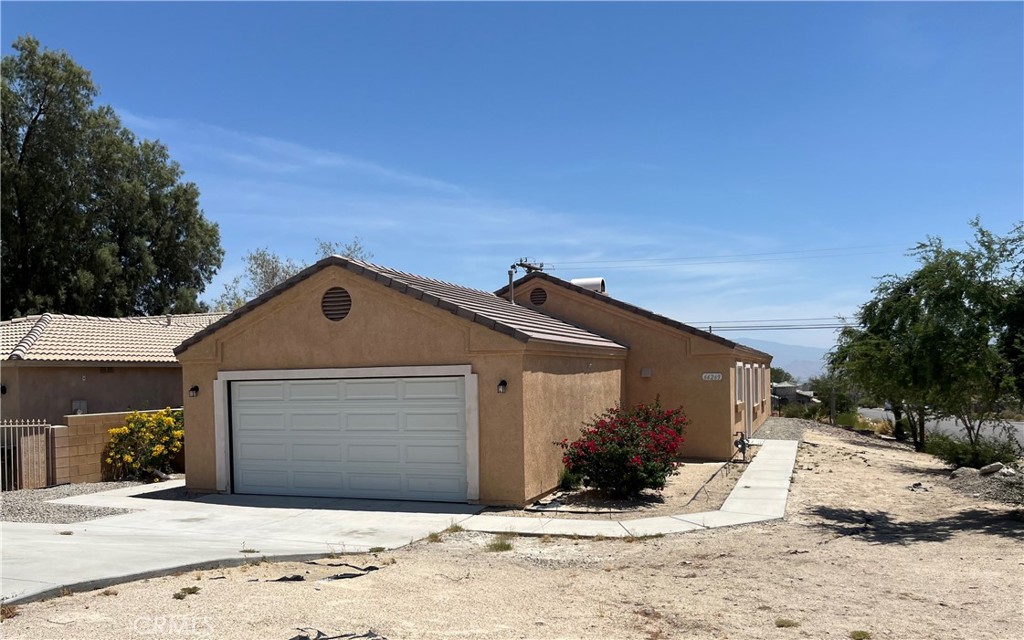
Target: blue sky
x: 714, y: 162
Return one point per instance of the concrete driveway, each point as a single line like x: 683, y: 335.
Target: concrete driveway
x: 173, y: 534
x: 164, y: 534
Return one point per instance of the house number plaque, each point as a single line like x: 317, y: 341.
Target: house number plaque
x: 711, y: 377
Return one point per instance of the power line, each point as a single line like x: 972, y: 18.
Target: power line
x: 845, y: 251
x: 714, y: 329
x: 649, y: 265
x: 702, y: 322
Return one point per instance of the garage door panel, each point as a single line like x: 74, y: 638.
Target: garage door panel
x: 265, y: 479
x: 433, y: 454
x: 260, y: 391
x: 315, y: 420
x: 375, y: 483
x: 327, y: 390
x: 266, y: 451
x: 439, y: 389
x: 261, y: 421
x: 374, y: 453
x: 318, y: 480
x: 434, y: 484
x: 319, y: 452
x: 374, y: 421
x: 398, y: 438
x: 371, y: 390
x: 434, y: 420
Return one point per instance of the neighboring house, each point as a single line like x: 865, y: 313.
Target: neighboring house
x: 54, y: 365
x: 355, y: 380
x: 789, y: 393
x: 721, y: 385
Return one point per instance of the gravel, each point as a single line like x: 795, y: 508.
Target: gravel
x: 995, y: 487
x: 776, y: 428
x: 32, y: 505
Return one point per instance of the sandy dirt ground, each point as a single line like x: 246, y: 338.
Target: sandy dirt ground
x: 862, y: 549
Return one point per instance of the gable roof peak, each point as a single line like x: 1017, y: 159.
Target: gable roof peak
x: 482, y: 307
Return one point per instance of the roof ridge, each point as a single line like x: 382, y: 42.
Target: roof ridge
x: 21, y: 349
x: 387, y: 270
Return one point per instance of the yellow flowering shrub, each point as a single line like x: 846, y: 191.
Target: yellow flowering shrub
x: 146, y: 443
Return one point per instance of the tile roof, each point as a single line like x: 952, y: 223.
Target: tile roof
x: 54, y: 337
x: 482, y: 307
x: 675, y: 324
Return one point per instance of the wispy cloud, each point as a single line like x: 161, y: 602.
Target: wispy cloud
x: 263, y: 153
x: 266, y: 192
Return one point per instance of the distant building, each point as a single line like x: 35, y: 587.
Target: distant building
x: 784, y: 393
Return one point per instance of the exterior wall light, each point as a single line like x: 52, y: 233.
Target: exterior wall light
x: 503, y: 386
x: 194, y: 391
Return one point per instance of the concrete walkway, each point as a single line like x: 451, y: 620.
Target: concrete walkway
x: 165, y: 535
x: 760, y: 494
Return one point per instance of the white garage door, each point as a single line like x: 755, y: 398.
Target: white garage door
x: 397, y: 438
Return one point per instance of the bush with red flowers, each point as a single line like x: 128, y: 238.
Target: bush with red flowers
x: 624, y: 451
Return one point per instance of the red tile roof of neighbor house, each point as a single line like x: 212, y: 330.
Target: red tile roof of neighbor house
x: 481, y: 307
x: 644, y: 313
x: 54, y: 337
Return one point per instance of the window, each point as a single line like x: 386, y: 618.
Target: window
x: 757, y: 384
x: 739, y: 382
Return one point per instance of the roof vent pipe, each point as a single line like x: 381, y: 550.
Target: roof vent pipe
x: 590, y: 284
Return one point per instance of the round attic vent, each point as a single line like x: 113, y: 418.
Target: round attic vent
x: 538, y: 296
x: 336, y: 304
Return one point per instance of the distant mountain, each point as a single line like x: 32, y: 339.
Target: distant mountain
x: 802, y: 362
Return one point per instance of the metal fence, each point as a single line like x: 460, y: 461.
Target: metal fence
x: 26, y: 455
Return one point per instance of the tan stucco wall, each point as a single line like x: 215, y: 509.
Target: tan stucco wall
x: 384, y: 329
x: 562, y: 391
x: 676, y: 361
x: 37, y: 391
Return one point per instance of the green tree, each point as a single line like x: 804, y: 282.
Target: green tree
x: 265, y: 269
x: 833, y: 389
x: 940, y: 340
x: 93, y: 220
x: 781, y: 375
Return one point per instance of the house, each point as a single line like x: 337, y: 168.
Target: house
x: 721, y: 385
x: 355, y: 380
x: 788, y: 393
x: 52, y: 365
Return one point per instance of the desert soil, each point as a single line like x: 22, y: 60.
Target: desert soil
x: 862, y: 549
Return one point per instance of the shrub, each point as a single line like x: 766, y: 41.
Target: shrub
x: 847, y: 419
x: 501, y: 542
x: 568, y: 480
x: 145, y: 444
x: 624, y: 451
x: 793, y: 410
x: 958, y: 452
